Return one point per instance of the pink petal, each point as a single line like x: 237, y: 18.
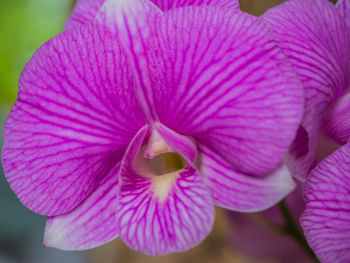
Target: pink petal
x: 181, y: 144
x: 241, y: 192
x: 314, y: 36
x: 84, y: 12
x: 326, y: 220
x: 337, y: 120
x: 166, y: 5
x: 132, y: 22
x: 220, y: 78
x: 90, y: 224
x: 156, y: 222
x: 75, y: 115
x: 177, y: 54
x: 343, y: 7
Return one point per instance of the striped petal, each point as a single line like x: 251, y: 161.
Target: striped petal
x: 241, y: 192
x: 326, y: 220
x: 84, y: 12
x: 220, y: 78
x: 314, y: 36
x: 181, y: 144
x: 74, y: 117
x: 167, y: 5
x: 337, y: 120
x: 132, y: 22
x: 192, y: 69
x: 162, y: 214
x: 343, y: 7
x: 89, y: 225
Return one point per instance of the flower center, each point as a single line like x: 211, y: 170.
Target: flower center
x: 159, y: 158
x: 165, y: 163
x: 159, y: 162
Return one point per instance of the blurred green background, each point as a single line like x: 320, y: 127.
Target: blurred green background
x: 24, y: 26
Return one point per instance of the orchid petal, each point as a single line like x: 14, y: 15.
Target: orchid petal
x: 84, y: 12
x: 239, y: 192
x: 132, y: 21
x: 337, y: 120
x: 68, y: 127
x: 181, y: 144
x: 234, y: 110
x: 220, y: 78
x: 161, y: 214
x: 166, y: 5
x: 326, y: 220
x: 90, y: 224
x: 314, y: 36
x: 343, y: 7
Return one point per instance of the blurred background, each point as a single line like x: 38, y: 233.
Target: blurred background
x: 24, y: 26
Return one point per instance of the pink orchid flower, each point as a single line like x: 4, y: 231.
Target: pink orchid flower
x: 326, y: 219
x: 131, y: 85
x: 315, y: 36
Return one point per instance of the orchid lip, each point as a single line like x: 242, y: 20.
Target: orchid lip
x: 157, y: 158
x: 159, y: 162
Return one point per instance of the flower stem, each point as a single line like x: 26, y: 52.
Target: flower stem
x: 293, y: 229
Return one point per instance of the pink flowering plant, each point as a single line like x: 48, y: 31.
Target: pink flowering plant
x: 317, y: 41
x: 315, y: 37
x: 142, y: 115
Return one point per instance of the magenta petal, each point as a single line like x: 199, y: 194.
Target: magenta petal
x: 74, y: 117
x: 343, y: 7
x: 162, y: 214
x: 179, y: 143
x: 220, y: 78
x: 132, y: 22
x: 337, y: 120
x: 314, y: 36
x: 166, y: 5
x: 240, y: 192
x: 326, y: 220
x: 90, y: 224
x: 84, y: 12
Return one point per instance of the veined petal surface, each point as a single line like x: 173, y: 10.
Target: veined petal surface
x: 337, y: 121
x: 132, y: 22
x: 326, y: 219
x: 343, y: 7
x: 241, y: 192
x: 314, y: 37
x: 218, y: 76
x: 84, y: 12
x: 90, y: 224
x: 162, y: 214
x: 167, y: 5
x: 74, y: 117
x: 181, y: 144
